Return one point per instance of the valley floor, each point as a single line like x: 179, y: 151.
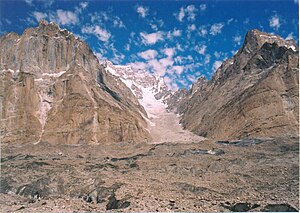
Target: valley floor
x: 257, y: 175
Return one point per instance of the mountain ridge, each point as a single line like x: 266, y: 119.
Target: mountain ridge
x: 60, y: 75
x: 261, y: 56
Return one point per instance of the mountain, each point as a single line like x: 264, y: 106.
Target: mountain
x: 253, y: 94
x: 149, y: 89
x: 138, y: 80
x: 153, y: 94
x: 54, y: 89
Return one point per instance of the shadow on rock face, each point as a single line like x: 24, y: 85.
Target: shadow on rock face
x: 5, y: 185
x: 243, y: 142
x: 245, y: 207
x: 35, y: 190
x: 279, y: 208
x: 113, y: 203
x: 240, y: 207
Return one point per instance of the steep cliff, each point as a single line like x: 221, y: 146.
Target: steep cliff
x: 54, y: 89
x: 253, y: 94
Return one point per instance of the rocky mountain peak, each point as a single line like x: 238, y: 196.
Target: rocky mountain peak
x: 45, y: 49
x: 253, y: 94
x: 200, y: 83
x: 66, y: 94
x: 255, y: 43
x: 255, y: 39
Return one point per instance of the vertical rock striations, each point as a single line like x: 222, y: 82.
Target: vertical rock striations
x: 54, y: 89
x: 254, y: 94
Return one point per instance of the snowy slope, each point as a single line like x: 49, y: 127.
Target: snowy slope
x: 150, y: 89
x: 151, y: 92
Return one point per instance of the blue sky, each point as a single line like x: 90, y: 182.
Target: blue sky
x: 178, y: 40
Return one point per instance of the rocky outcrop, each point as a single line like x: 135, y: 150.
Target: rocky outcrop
x: 54, y: 89
x: 254, y: 94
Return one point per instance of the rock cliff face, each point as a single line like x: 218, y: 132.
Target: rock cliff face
x: 54, y: 89
x: 253, y: 94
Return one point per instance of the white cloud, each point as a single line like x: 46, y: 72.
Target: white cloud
x: 117, y: 22
x: 118, y: 58
x: 39, y: 15
x: 139, y: 65
x: 230, y: 20
x: 191, y: 27
x: 103, y: 17
x: 148, y: 54
x: 152, y: 38
x: 157, y: 67
x: 155, y: 23
x: 174, y: 33
x: 132, y: 34
x: 88, y: 30
x: 201, y: 49
x: 142, y: 11
x: 169, y: 52
x: 153, y: 26
x: 190, y: 12
x: 207, y: 59
x: 184, y: 59
x: 66, y: 17
x: 178, y: 69
x: 46, y: 3
x: 171, y: 83
x: 237, y: 39
x: 100, y: 57
x: 29, y: 2
x: 166, y: 62
x: 216, y: 65
x: 100, y: 33
x: 290, y: 36
x: 202, y: 7
x: 217, y: 54
x: 179, y: 47
x: 216, y: 28
x: 181, y: 14
x: 83, y: 5
x: 203, y: 32
x: 178, y: 59
x: 274, y: 22
x: 221, y: 56
x: 191, y: 78
x: 7, y: 21
x: 127, y: 47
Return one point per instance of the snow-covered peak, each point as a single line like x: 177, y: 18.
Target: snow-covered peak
x: 138, y: 80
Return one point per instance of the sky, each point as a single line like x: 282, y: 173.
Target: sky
x: 177, y: 40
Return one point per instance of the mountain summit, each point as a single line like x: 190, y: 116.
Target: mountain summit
x: 54, y: 89
x: 253, y: 94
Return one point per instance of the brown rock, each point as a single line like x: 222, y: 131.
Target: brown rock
x: 254, y: 94
x: 54, y: 89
